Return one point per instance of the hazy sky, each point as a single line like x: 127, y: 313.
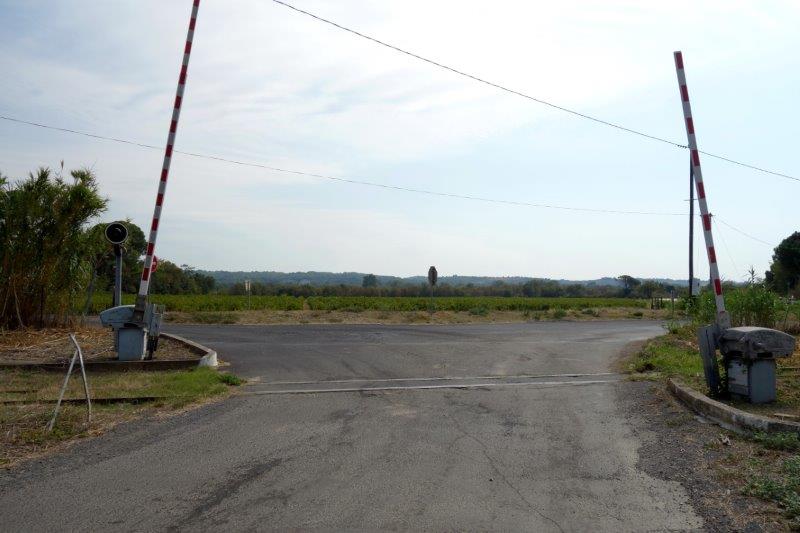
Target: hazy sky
x: 270, y: 86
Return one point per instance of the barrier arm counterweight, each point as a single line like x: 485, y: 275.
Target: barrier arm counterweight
x: 723, y: 319
x: 144, y: 284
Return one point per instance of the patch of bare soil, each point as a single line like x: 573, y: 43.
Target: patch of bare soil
x: 52, y: 345
x: 712, y: 464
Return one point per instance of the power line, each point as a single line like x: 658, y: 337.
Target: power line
x: 728, y: 250
x: 527, y: 96
x: 76, y: 132
x: 344, y: 180
x: 737, y: 230
x: 747, y: 165
x: 369, y: 183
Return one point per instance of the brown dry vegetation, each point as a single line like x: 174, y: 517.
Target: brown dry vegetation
x: 27, y: 397
x: 54, y: 345
x: 410, y: 317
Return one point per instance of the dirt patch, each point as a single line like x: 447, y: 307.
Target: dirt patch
x: 52, y: 345
x: 628, y: 353
x: 713, y: 465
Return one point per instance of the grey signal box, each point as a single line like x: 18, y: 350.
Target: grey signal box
x: 133, y: 339
x: 749, y: 354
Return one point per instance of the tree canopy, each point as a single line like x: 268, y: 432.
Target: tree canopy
x: 169, y: 278
x: 784, y: 272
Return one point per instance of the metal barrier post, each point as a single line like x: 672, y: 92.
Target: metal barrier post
x: 723, y: 319
x: 77, y: 355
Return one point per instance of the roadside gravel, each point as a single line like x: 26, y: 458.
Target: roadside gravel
x: 679, y: 446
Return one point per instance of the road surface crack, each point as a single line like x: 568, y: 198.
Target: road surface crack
x: 226, y: 490
x: 501, y: 475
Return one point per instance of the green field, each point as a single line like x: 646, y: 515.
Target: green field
x: 206, y: 302
x: 225, y: 302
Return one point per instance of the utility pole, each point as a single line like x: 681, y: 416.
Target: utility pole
x: 691, y: 229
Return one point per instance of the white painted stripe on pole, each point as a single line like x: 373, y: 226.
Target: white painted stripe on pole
x: 723, y: 319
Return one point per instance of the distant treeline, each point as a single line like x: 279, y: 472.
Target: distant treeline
x: 532, y: 288
x: 227, y: 278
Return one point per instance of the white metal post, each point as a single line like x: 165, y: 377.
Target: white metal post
x: 85, y: 381
x: 723, y: 319
x: 77, y: 355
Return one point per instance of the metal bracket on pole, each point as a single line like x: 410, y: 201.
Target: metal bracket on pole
x: 707, y: 338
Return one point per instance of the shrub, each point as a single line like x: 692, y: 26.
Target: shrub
x: 45, y: 248
x: 230, y: 379
x: 479, y: 311
x: 751, y: 305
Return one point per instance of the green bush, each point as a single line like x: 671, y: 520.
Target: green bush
x: 752, y: 305
x: 230, y: 379
x: 479, y: 311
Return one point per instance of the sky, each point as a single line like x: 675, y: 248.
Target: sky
x: 270, y: 86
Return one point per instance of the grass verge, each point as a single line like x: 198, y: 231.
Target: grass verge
x: 676, y: 354
x: 767, y: 467
x: 22, y: 423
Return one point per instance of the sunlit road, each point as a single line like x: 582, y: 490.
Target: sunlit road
x: 476, y: 427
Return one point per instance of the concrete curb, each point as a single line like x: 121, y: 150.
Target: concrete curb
x: 727, y: 416
x: 208, y: 357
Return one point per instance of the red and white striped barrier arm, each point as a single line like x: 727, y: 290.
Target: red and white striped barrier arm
x: 144, y: 285
x: 723, y: 319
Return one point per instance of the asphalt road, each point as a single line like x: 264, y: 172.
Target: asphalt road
x: 523, y: 431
